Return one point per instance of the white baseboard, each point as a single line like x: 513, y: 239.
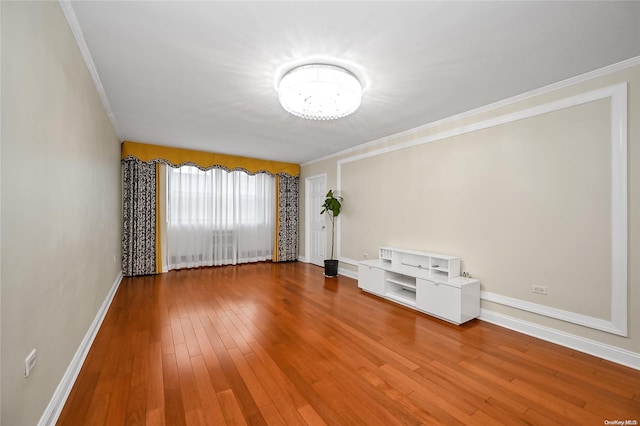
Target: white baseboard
x: 341, y: 271
x: 348, y: 273
x: 591, y: 347
x: 587, y: 321
x: 601, y: 350
x: 53, y: 410
x: 572, y: 341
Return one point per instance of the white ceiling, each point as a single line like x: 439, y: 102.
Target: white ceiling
x: 202, y: 75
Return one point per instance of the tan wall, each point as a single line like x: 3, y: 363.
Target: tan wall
x: 61, y: 204
x: 523, y: 203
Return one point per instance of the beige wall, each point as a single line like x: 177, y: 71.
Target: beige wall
x: 60, y: 204
x: 523, y: 203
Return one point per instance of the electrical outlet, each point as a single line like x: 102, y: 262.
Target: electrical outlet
x: 365, y: 256
x: 30, y: 362
x: 539, y: 289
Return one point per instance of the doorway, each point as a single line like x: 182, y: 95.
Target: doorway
x: 315, y: 224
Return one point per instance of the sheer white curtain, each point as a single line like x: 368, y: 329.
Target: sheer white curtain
x: 218, y: 217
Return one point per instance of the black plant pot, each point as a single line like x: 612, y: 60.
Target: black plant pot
x: 331, y: 268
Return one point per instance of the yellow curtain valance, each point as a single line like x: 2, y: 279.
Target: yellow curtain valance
x: 204, y: 160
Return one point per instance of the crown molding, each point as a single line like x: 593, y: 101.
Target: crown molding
x: 74, y: 25
x: 619, y: 66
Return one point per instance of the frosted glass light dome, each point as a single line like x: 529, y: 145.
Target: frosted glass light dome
x: 320, y: 92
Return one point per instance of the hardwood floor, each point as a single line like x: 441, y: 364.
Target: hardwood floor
x: 280, y: 344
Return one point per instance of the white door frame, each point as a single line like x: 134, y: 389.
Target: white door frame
x: 307, y: 216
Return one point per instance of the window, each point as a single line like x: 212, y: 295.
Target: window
x: 217, y: 217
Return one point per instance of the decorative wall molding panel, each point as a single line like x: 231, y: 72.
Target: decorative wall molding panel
x: 617, y: 95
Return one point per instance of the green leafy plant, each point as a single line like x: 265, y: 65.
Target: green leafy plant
x: 332, y: 206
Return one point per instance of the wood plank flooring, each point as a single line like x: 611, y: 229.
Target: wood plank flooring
x: 279, y: 344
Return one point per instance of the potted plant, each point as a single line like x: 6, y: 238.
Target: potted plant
x: 331, y: 206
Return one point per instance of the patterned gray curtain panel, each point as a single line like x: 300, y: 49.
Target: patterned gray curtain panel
x: 139, y: 218
x: 288, y: 215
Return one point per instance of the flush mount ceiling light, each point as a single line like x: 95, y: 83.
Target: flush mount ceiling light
x: 320, y: 92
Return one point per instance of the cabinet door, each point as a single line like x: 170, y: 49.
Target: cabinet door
x: 371, y: 279
x: 438, y: 299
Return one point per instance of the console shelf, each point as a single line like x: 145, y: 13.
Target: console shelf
x: 427, y: 282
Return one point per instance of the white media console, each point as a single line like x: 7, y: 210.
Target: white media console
x: 428, y: 282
